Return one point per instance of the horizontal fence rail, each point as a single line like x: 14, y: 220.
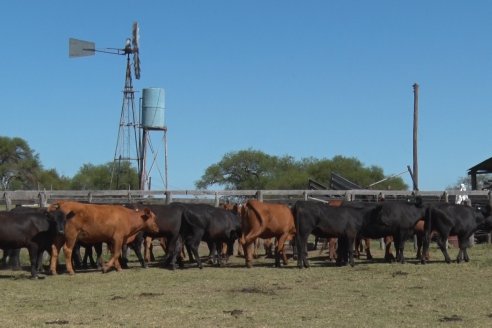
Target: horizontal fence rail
x: 44, y: 197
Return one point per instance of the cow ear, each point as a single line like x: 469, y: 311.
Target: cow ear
x: 147, y: 213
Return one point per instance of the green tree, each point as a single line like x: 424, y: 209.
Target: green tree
x: 252, y: 169
x: 98, y: 177
x: 51, y: 180
x: 19, y: 165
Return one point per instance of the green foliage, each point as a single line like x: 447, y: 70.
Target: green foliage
x: 19, y: 165
x: 51, y: 180
x: 98, y: 177
x: 253, y: 169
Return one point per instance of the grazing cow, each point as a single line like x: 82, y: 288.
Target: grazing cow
x: 397, y: 219
x: 89, y: 223
x: 343, y: 222
x: 214, y: 225
x: 455, y: 219
x: 34, y: 229
x: 264, y: 220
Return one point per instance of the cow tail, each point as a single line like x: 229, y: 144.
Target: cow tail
x: 258, y: 214
x: 427, y: 232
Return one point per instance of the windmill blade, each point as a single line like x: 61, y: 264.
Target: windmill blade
x: 136, y: 64
x: 80, y: 48
x: 135, y: 36
x: 135, y: 50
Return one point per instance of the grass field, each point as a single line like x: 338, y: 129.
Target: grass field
x: 371, y: 294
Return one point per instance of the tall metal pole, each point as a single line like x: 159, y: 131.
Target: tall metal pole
x: 415, y: 134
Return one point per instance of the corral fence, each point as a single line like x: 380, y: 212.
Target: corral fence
x: 42, y: 198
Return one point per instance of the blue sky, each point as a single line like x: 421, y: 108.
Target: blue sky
x: 299, y: 78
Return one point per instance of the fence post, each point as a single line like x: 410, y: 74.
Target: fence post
x: 446, y: 197
x: 42, y: 199
x: 169, y: 197
x: 489, y: 235
x: 217, y: 200
x: 259, y: 195
x: 8, y: 201
x: 305, y: 195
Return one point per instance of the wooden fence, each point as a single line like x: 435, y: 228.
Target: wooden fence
x: 44, y: 197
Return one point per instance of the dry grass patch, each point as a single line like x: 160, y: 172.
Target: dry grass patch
x: 371, y: 294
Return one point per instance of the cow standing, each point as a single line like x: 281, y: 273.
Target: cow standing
x: 214, y: 225
x: 264, y: 220
x: 33, y: 229
x: 89, y: 223
x: 455, y: 219
x: 343, y: 222
x: 397, y: 219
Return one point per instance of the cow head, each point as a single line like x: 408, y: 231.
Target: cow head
x: 486, y: 212
x: 59, y: 218
x: 150, y: 223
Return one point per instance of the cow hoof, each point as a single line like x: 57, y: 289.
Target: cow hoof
x: 249, y: 265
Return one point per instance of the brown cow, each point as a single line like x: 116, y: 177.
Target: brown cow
x: 261, y: 220
x: 89, y: 223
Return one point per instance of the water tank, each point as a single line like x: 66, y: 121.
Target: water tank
x: 153, y: 108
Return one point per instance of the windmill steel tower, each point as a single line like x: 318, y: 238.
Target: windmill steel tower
x: 129, y: 140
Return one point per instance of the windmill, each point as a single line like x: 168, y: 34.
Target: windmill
x: 129, y: 141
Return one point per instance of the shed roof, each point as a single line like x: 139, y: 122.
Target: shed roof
x: 481, y: 168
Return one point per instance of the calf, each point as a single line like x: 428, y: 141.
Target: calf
x: 455, y: 219
x: 91, y: 223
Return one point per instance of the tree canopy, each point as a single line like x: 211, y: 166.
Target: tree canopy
x: 21, y: 169
x: 19, y: 165
x: 253, y: 169
x: 98, y: 177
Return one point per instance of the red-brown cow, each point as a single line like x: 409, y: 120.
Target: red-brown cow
x: 89, y: 223
x: 261, y: 220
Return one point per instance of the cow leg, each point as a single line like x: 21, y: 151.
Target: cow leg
x: 14, y: 259
x: 442, y: 245
x: 148, y: 254
x: 350, y: 245
x: 332, y: 248
x: 55, y: 250
x: 400, y: 241
x: 67, y: 250
x: 388, y: 255
x: 367, y: 243
x: 138, y: 253
x: 301, y: 242
x: 464, y: 243
x: 33, y: 249
x: 116, y: 247
x: 248, y: 253
x: 77, y: 259
x: 280, y: 249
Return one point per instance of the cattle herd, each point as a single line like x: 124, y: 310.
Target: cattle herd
x: 183, y: 226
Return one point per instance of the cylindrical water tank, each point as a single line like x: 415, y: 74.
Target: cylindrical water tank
x: 153, y: 108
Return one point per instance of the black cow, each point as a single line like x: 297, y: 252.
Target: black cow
x: 168, y: 219
x: 214, y: 225
x: 394, y: 218
x: 455, y: 219
x: 35, y: 230
x: 322, y: 220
